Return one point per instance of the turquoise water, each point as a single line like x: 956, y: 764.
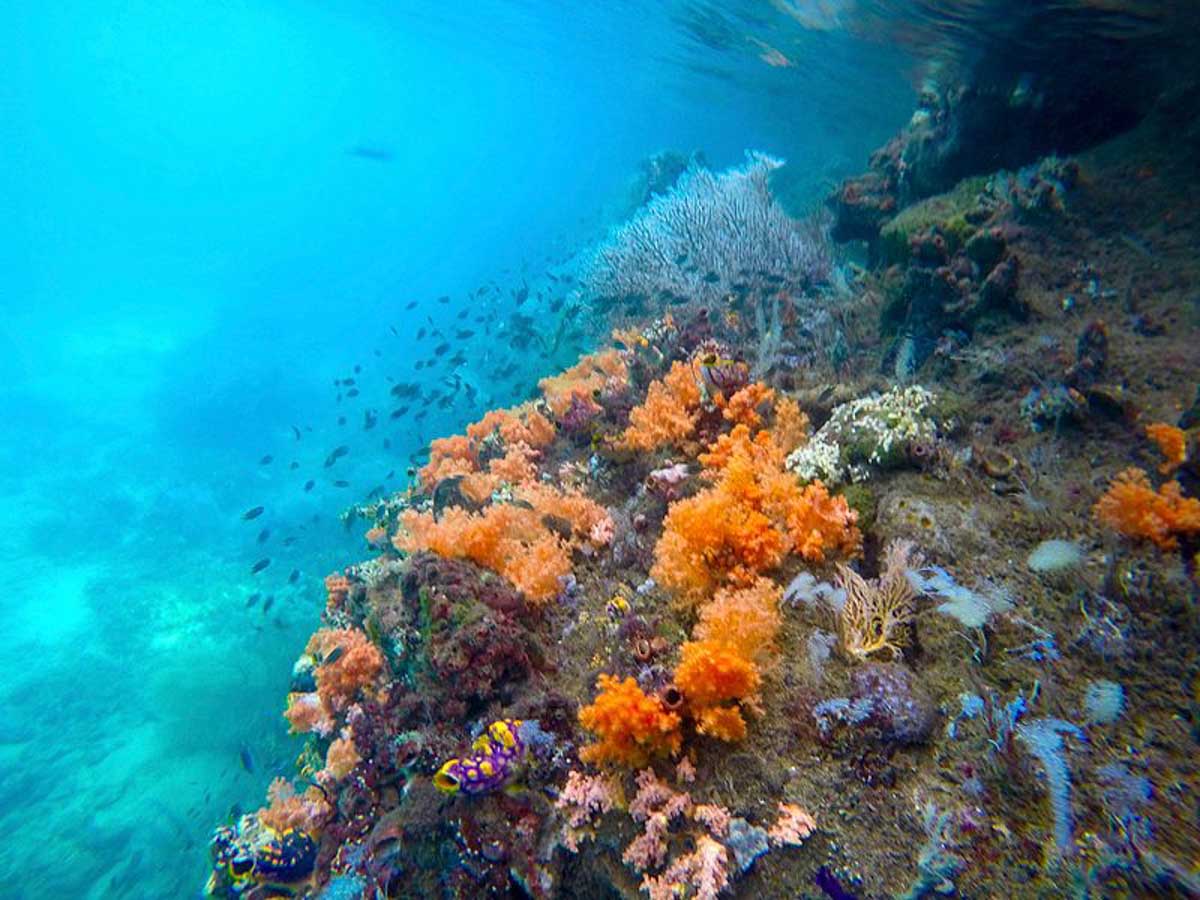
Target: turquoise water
x: 216, y: 210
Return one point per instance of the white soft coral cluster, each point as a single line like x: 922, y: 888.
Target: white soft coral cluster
x: 870, y: 431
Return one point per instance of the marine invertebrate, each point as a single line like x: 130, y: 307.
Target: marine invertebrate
x: 669, y: 413
x: 703, y: 234
x: 341, y: 757
x: 876, y: 616
x: 753, y: 516
x: 584, y: 798
x: 1131, y: 507
x: 745, y: 619
x: 1043, y: 738
x: 306, y: 712
x: 1172, y: 443
x: 746, y: 406
x: 347, y: 664
x: 521, y: 424
x: 877, y: 430
x: 287, y: 809
x: 710, y: 674
x: 508, y: 539
x: 337, y: 589
x: 584, y: 381
x: 632, y: 726
x: 703, y: 872
x: 793, y: 826
x: 494, y: 759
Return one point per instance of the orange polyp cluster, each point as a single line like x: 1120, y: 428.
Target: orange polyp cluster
x: 632, y: 726
x: 1132, y: 507
x: 337, y: 589
x: 1172, y: 443
x: 712, y: 672
x: 669, y: 413
x: 522, y: 428
x: 752, y: 517
x: 584, y: 380
x: 745, y: 619
x: 745, y: 406
x: 356, y: 666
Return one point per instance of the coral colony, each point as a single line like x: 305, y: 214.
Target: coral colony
x: 723, y: 612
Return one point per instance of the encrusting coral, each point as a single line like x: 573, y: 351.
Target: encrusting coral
x: 1133, y: 508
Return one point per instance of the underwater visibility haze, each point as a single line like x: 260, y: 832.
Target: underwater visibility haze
x: 673, y: 450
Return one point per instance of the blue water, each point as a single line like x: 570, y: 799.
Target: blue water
x: 212, y: 212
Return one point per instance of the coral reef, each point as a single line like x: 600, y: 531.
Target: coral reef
x: 638, y: 635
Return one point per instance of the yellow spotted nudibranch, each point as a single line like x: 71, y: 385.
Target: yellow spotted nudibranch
x: 495, y: 756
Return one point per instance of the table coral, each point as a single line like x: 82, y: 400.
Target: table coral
x: 1133, y: 508
x: 632, y: 726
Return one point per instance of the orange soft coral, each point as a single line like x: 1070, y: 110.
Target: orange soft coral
x: 510, y: 540
x: 747, y: 522
x: 448, y: 457
x: 790, y: 428
x: 746, y: 619
x: 288, y: 809
x: 337, y: 589
x: 585, y: 516
x: 341, y: 757
x: 305, y: 712
x: 723, y: 723
x: 1172, y: 443
x: 585, y: 379
x: 632, y: 726
x: 669, y: 413
x: 355, y: 666
x: 522, y: 423
x: 713, y: 672
x: 1132, y: 507
x: 746, y: 405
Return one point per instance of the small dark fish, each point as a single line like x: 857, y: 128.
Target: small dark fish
x: 369, y: 420
x: 390, y: 475
x: 268, y: 604
x: 419, y: 365
x: 294, y: 465
x: 294, y: 577
x: 253, y: 513
x: 349, y: 382
x: 463, y: 333
x: 421, y: 332
x: 334, y: 655
x: 422, y: 414
x: 247, y: 758
x: 335, y: 454
x: 445, y: 298
x: 711, y: 277
x: 266, y: 460
x: 353, y: 392
x: 264, y: 535
x: 376, y: 491
x: 387, y: 443
x: 296, y: 432
x: 522, y: 295
x: 440, y: 349
x: 289, y: 540
x: 357, y: 369
x: 398, y: 412
x: 374, y: 154
x: 411, y: 304
x: 259, y: 566
x: 341, y: 420
x: 341, y: 484
x: 681, y: 259
x: 463, y: 314
x: 252, y: 599
x: 308, y: 485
